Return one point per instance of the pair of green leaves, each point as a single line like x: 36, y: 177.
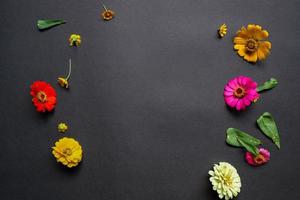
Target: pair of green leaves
x: 43, y: 24
x: 239, y: 138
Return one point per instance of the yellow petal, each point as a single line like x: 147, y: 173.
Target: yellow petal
x: 239, y: 46
x: 243, y: 33
x: 242, y: 52
x: 239, y: 40
x: 260, y: 54
x: 264, y: 50
x: 257, y: 32
x: 251, y: 57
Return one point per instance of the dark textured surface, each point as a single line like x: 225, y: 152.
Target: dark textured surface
x: 145, y: 100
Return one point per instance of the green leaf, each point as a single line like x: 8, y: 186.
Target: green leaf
x: 268, y: 126
x: 234, y: 134
x: 267, y: 85
x: 249, y: 147
x: 49, y: 23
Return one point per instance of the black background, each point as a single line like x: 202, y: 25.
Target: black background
x: 145, y: 99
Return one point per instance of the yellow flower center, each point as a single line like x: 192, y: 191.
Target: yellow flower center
x: 228, y: 180
x: 251, y: 45
x: 42, y: 97
x: 67, y: 151
x: 239, y: 92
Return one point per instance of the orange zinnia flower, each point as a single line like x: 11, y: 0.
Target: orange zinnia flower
x: 251, y: 43
x: 43, y: 96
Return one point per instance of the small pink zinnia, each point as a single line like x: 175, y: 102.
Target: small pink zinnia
x: 262, y: 158
x: 240, y: 92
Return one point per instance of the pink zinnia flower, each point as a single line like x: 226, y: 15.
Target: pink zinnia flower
x: 240, y: 92
x: 262, y: 158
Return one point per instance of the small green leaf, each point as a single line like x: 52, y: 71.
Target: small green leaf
x: 234, y: 134
x: 267, y: 85
x: 268, y: 126
x: 249, y: 147
x: 49, y: 23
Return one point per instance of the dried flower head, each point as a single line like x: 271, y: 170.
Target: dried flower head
x: 68, y: 151
x: 225, y: 180
x: 75, y: 40
x: 63, y: 82
x: 251, y: 43
x: 222, y: 30
x: 107, y: 14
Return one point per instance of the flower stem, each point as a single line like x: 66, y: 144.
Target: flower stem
x: 70, y: 69
x: 104, y: 7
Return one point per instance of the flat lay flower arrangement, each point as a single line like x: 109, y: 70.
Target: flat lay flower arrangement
x: 250, y: 42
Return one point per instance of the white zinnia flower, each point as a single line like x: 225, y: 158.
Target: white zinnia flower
x: 225, y: 180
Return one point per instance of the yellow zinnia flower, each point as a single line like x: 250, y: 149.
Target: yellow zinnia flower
x: 67, y: 151
x: 225, y: 180
x: 222, y: 30
x: 62, y: 127
x: 251, y: 43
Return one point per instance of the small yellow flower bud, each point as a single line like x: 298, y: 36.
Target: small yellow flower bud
x: 62, y: 127
x: 75, y: 40
x: 222, y: 30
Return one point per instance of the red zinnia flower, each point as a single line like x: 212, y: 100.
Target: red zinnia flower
x: 44, y: 96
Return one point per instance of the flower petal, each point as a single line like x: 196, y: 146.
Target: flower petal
x: 243, y: 33
x: 239, y: 40
x: 240, y: 105
x: 229, y: 89
x: 242, y: 51
x: 227, y: 93
x: 264, y: 49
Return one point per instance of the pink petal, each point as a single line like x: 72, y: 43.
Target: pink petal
x: 233, y: 83
x: 227, y: 88
x: 241, y: 79
x: 226, y: 93
x: 252, y: 96
x: 231, y: 101
x: 249, y: 158
x: 250, y: 84
x: 265, y: 153
x: 240, y: 105
x: 246, y: 101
